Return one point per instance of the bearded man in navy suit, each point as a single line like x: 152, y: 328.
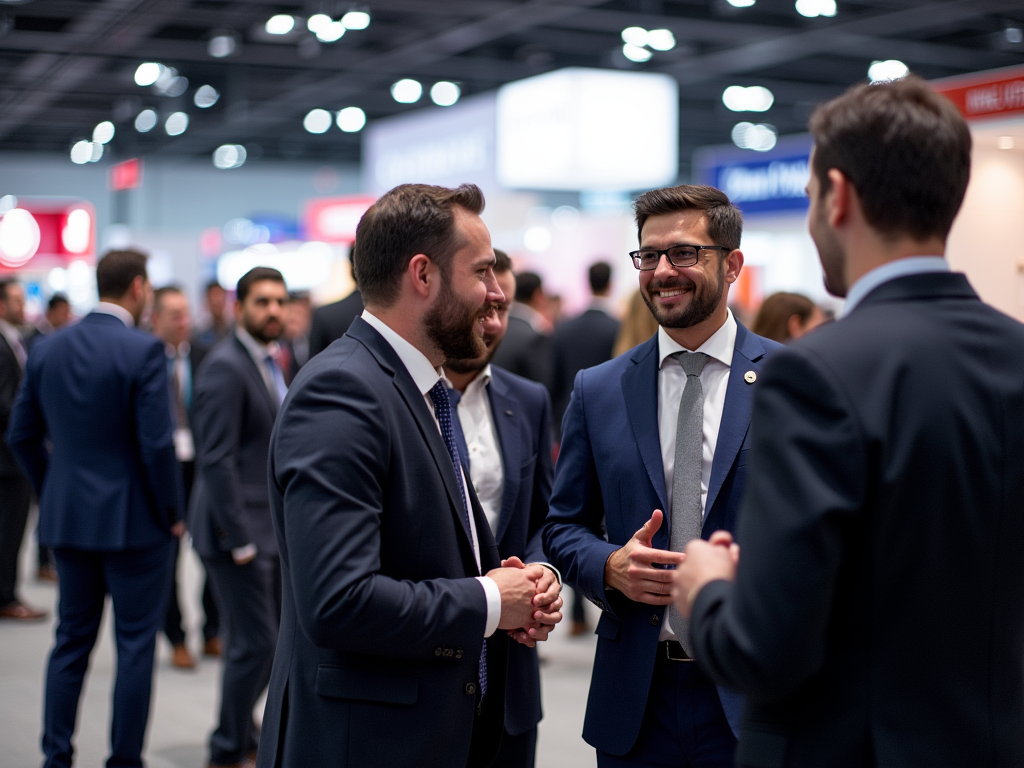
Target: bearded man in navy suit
x: 654, y: 453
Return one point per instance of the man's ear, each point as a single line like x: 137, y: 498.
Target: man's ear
x: 421, y: 273
x: 733, y: 265
x: 838, y: 198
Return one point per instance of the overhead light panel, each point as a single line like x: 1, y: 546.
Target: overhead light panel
x: 206, y: 96
x: 318, y: 21
x: 813, y: 8
x: 444, y: 93
x: 148, y: 73
x: 103, y: 132
x: 281, y: 24
x: 317, y: 121
x: 760, y: 137
x: 228, y: 156
x: 221, y: 46
x: 145, y: 121
x: 351, y: 119
x: 635, y: 36
x: 406, y: 91
x: 636, y: 53
x: 176, y: 123
x: 661, y: 39
x: 753, y: 99
x: 330, y: 32
x: 356, y: 20
x: 885, y: 71
x: 1014, y: 35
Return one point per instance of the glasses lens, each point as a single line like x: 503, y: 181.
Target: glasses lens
x: 683, y: 256
x: 646, y: 259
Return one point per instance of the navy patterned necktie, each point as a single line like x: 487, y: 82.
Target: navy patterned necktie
x: 443, y: 411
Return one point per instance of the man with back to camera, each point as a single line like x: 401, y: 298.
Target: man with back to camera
x: 110, y: 499
x: 655, y: 442
x: 876, y: 617
x: 172, y: 324
x: 504, y: 436
x: 238, y: 393
x: 393, y: 589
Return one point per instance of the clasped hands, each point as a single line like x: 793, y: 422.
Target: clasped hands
x: 530, y: 600
x: 660, y: 577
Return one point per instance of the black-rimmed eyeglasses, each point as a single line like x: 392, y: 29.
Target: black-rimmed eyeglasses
x: 647, y: 259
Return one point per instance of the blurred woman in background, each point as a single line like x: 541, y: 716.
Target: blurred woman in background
x: 637, y: 326
x: 784, y: 317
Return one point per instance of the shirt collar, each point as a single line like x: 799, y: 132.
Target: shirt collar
x: 912, y: 265
x: 720, y: 346
x: 481, y: 380
x: 122, y: 314
x: 181, y: 350
x: 423, y: 373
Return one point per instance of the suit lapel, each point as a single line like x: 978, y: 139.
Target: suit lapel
x: 505, y: 412
x: 640, y: 391
x: 254, y: 373
x: 739, y: 399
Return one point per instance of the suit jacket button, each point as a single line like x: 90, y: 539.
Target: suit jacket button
x: 470, y: 689
x: 458, y: 654
x: 438, y: 651
x: 654, y: 619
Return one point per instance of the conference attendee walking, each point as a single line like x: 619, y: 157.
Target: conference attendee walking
x: 389, y: 652
x: 654, y: 453
x: 15, y: 488
x: 236, y: 398
x: 110, y: 499
x: 883, y: 527
x: 172, y: 324
x: 503, y: 432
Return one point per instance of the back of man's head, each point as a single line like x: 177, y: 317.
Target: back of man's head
x: 600, y: 276
x: 527, y: 285
x: 904, y: 148
x: 407, y: 220
x: 502, y: 262
x: 116, y: 272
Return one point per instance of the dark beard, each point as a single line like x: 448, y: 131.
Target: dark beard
x: 260, y: 333
x: 703, y: 302
x: 472, y: 365
x: 450, y: 324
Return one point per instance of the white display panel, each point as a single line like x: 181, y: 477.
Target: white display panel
x: 588, y: 129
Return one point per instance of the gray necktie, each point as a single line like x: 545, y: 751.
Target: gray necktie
x: 687, y: 519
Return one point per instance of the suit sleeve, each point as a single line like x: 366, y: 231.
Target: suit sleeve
x: 217, y: 412
x: 330, y: 464
x: 764, y: 634
x: 155, y: 435
x: 26, y: 432
x: 542, y: 479
x: 574, y: 537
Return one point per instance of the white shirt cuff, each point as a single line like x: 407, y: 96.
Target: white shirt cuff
x: 493, y: 595
x: 558, y: 573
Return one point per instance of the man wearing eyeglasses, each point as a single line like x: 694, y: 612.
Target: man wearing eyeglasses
x: 654, y: 447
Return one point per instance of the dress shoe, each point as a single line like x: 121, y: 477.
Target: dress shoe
x: 181, y: 658
x: 212, y: 647
x: 578, y: 628
x: 47, y: 573
x: 20, y: 612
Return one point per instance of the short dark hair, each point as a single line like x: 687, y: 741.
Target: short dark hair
x: 724, y: 220
x: 904, y: 148
x: 161, y: 293
x: 502, y: 263
x: 211, y: 285
x: 57, y: 300
x: 116, y: 272
x: 255, y: 275
x: 3, y: 288
x: 409, y: 219
x: 600, y: 276
x: 527, y: 284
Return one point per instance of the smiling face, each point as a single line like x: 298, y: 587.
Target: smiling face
x: 492, y: 324
x: 686, y: 297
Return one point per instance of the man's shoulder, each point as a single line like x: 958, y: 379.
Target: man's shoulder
x: 519, y: 387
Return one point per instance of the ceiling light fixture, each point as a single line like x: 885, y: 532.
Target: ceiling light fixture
x: 281, y: 24
x: 206, y: 96
x: 228, y: 156
x: 886, y: 71
x: 356, y: 20
x: 661, y: 39
x: 406, y: 91
x: 317, y: 121
x: 351, y: 119
x: 756, y: 98
x: 760, y: 137
x: 145, y: 121
x: 176, y: 123
x: 637, y: 36
x: 636, y: 53
x: 103, y: 132
x: 741, y: 3
x: 221, y: 46
x: 444, y: 93
x: 813, y: 8
x: 148, y: 73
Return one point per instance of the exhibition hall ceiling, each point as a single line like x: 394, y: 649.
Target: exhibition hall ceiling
x: 252, y: 74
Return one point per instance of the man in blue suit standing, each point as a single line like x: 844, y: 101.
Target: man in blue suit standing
x: 504, y: 433
x: 654, y: 447
x: 110, y: 498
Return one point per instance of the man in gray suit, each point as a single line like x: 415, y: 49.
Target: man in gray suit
x: 238, y: 391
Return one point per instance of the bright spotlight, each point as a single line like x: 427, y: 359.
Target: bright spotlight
x: 637, y: 36
x: 741, y: 3
x: 97, y: 152
x: 753, y: 99
x: 330, y: 32
x: 19, y: 237
x: 148, y: 73
x: 103, y: 132
x: 885, y: 71
x: 351, y: 119
x: 444, y: 94
x: 406, y: 91
x: 760, y: 137
x: 176, y: 123
x: 636, y: 53
x: 281, y: 24
x: 317, y: 21
x: 317, y: 121
x: 81, y: 152
x: 661, y: 39
x: 206, y: 96
x: 356, y: 20
x: 145, y: 121
x: 228, y: 156
x: 812, y: 8
x: 76, y: 231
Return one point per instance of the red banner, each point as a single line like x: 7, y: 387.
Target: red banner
x: 986, y: 94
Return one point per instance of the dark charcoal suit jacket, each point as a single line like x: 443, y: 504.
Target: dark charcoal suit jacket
x: 878, y: 614
x: 583, y: 342
x: 232, y: 418
x: 331, y: 321
x: 10, y: 380
x: 382, y: 622
x: 525, y: 352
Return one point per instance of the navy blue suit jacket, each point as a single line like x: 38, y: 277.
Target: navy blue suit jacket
x: 610, y: 478
x: 382, y: 622
x: 521, y: 410
x: 98, y: 392
x: 233, y: 416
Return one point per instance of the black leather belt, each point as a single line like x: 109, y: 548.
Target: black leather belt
x: 673, y: 651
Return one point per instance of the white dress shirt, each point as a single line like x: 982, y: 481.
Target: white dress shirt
x: 122, y: 314
x: 180, y: 364
x: 485, y: 461
x: 714, y: 380
x: 259, y: 352
x: 425, y: 376
x: 912, y: 265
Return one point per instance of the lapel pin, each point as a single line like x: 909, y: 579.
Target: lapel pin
x: 750, y: 377
x: 508, y: 413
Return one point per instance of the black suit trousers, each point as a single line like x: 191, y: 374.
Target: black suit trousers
x: 15, y: 498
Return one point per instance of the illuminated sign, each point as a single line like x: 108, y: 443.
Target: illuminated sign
x: 126, y: 175
x: 334, y: 219
x: 44, y: 233
x: 997, y: 93
x: 773, y: 181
